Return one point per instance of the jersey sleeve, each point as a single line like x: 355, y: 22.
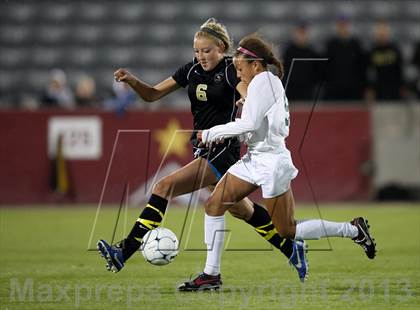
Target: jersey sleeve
x: 255, y: 107
x: 231, y: 76
x: 180, y: 75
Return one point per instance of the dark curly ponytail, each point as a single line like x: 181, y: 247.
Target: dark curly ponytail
x: 260, y: 50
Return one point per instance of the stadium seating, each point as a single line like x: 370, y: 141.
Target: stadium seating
x: 154, y: 37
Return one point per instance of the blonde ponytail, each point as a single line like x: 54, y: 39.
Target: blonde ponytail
x: 217, y: 32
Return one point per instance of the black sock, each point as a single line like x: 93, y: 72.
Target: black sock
x: 149, y: 219
x: 263, y: 225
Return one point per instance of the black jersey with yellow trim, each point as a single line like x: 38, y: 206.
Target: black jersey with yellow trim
x: 212, y: 93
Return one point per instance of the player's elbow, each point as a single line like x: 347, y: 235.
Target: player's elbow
x: 248, y: 127
x: 149, y: 99
x: 151, y: 95
x: 251, y: 129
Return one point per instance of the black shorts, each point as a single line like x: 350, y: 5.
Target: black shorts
x: 221, y: 156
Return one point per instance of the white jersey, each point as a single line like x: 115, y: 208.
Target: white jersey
x: 264, y: 123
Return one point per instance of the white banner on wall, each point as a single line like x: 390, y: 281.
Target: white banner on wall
x: 396, y: 149
x: 81, y: 136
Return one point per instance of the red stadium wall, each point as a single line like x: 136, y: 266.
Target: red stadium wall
x: 331, y: 157
x: 334, y: 154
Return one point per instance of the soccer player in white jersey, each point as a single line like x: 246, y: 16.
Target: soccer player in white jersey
x: 264, y: 126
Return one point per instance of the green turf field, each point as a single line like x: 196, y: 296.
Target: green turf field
x: 44, y: 264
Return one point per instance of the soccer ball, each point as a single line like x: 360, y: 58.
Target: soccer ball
x: 160, y: 246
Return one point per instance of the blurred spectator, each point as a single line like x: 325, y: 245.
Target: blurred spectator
x: 57, y: 93
x: 416, y: 62
x: 303, y: 78
x: 346, y: 71
x: 28, y: 103
x: 85, y: 92
x: 123, y: 97
x: 385, y: 65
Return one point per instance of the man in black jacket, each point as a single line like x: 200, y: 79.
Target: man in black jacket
x: 346, y: 71
x: 304, y: 76
x: 385, y: 64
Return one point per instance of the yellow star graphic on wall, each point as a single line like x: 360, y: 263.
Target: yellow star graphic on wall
x: 171, y: 140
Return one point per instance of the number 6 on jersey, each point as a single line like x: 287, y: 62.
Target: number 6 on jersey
x: 201, y: 92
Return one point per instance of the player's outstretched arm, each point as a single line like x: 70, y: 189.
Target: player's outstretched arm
x: 146, y: 92
x: 256, y: 105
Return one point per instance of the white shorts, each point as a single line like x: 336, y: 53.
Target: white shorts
x: 271, y: 172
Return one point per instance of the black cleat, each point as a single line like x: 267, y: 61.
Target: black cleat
x: 364, y: 239
x: 203, y: 282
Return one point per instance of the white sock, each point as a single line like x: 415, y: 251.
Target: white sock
x: 214, y: 234
x: 315, y: 229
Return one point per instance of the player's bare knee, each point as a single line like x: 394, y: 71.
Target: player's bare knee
x: 213, y: 207
x: 210, y: 206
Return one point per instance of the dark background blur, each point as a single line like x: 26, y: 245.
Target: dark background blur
x: 81, y: 43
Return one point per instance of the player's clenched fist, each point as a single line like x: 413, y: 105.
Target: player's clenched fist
x: 123, y: 75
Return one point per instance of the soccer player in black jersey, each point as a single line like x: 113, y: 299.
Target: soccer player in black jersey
x: 213, y: 89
